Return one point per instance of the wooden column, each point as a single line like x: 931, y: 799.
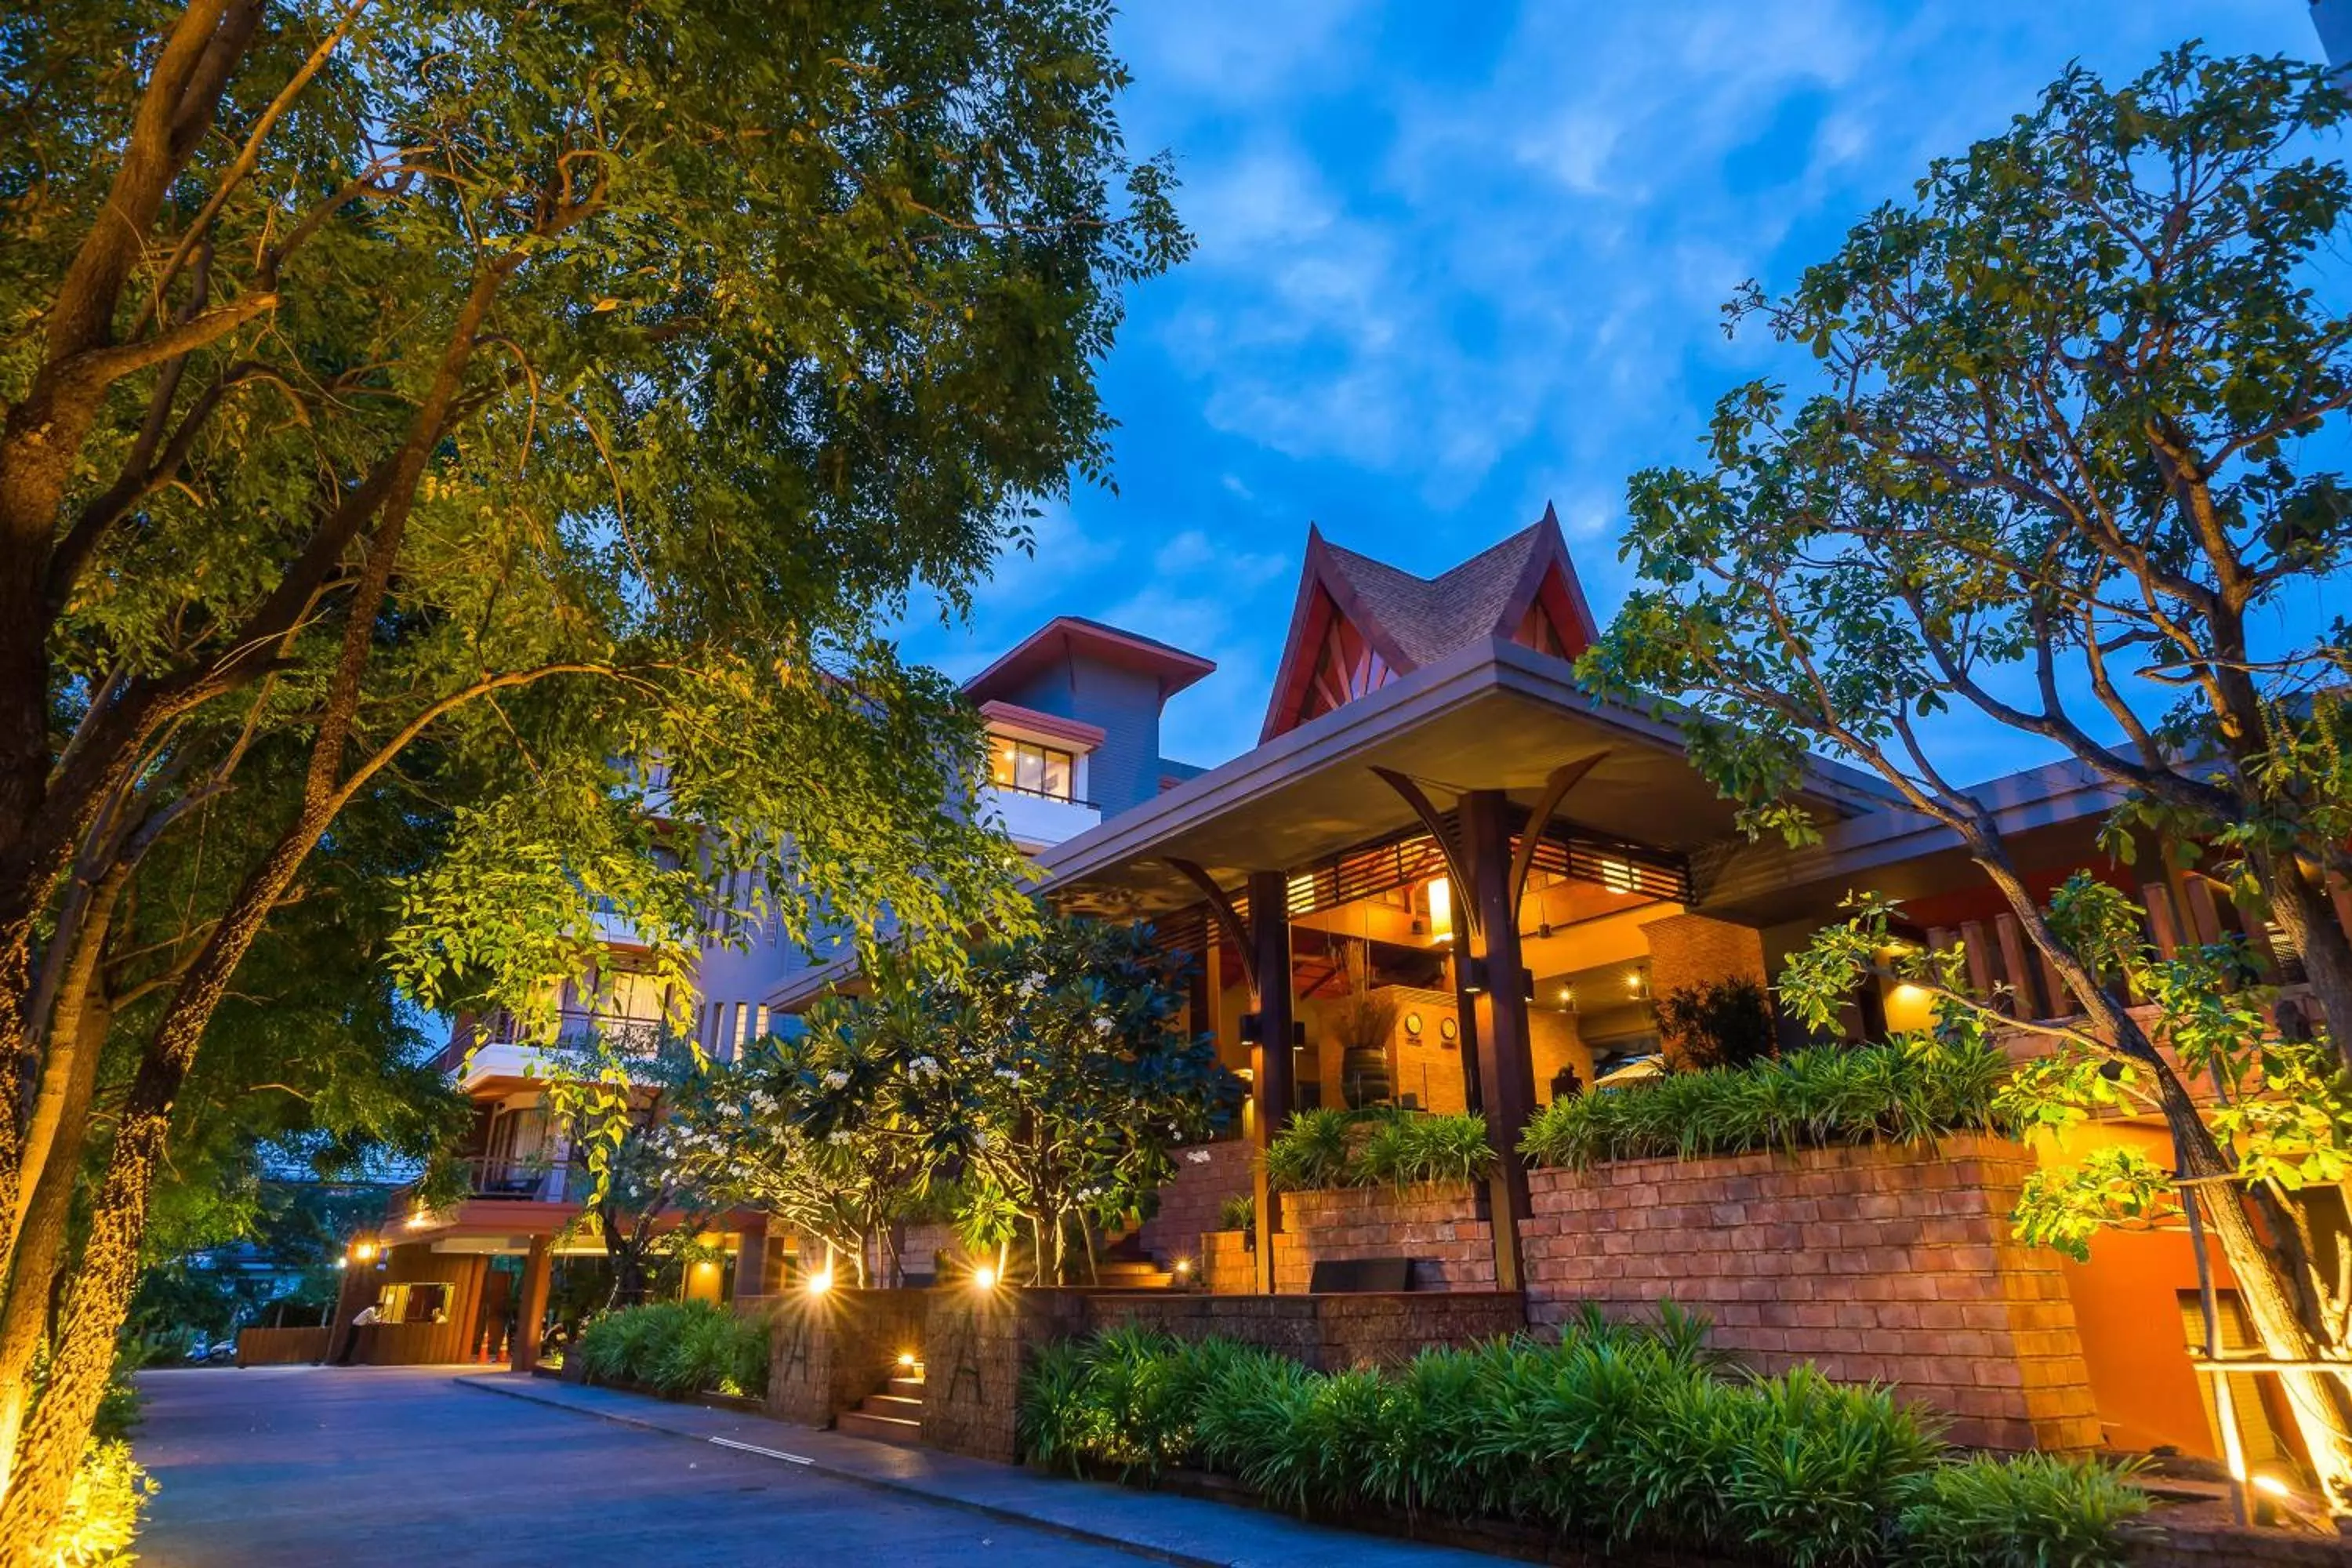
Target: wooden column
x: 1507, y: 1073
x: 532, y: 1308
x: 1270, y: 1059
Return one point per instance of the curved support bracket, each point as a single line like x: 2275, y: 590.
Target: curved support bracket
x: 1221, y: 906
x: 1466, y: 906
x: 1556, y: 788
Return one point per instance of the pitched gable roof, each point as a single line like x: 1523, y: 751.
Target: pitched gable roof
x: 1412, y: 621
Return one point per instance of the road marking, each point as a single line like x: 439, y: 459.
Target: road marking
x: 771, y: 1453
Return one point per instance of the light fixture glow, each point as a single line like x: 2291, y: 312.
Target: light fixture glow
x: 1441, y: 910
x: 820, y: 1282
x: 1183, y: 1266
x: 905, y: 1358
x: 2264, y: 1482
x: 363, y: 1251
x: 984, y: 1278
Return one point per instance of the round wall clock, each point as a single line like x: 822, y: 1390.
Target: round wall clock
x: 1413, y: 1024
x: 1448, y: 1029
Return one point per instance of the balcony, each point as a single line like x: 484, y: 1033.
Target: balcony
x: 524, y: 1180
x: 505, y: 1051
x: 1034, y: 819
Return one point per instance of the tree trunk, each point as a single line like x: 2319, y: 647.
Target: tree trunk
x: 2272, y: 1277
x: 2307, y: 915
x: 41, y: 1240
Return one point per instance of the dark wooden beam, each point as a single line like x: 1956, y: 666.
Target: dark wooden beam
x: 1556, y: 788
x: 1221, y: 909
x: 1412, y: 794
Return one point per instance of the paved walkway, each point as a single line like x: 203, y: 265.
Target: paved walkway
x: 365, y: 1465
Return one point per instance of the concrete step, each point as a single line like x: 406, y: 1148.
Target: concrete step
x: 896, y: 1405
x: 906, y: 1387
x: 881, y: 1428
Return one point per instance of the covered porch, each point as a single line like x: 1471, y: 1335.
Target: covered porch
x: 1462, y: 891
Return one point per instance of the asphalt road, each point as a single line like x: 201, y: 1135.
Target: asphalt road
x: 358, y: 1466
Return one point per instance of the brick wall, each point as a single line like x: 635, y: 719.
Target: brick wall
x: 1206, y: 1175
x: 1877, y: 1264
x: 1437, y: 1227
x: 826, y: 1353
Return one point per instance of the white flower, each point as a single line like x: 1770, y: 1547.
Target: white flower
x: 836, y: 1080
x: 1104, y: 1025
x: 922, y: 1067
x: 1009, y: 1076
x: 838, y: 1136
x: 1198, y: 1156
x: 1031, y: 985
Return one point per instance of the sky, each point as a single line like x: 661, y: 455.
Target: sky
x: 1457, y: 262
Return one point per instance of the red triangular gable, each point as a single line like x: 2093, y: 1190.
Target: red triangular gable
x: 1359, y: 623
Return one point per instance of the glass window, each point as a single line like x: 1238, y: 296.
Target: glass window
x: 1030, y: 767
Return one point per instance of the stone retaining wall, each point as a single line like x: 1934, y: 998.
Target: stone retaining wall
x: 1875, y: 1263
x: 1206, y: 1175
x: 827, y: 1353
x: 1437, y: 1227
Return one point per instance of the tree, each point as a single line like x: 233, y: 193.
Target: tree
x: 623, y: 1114
x: 551, y: 401
x: 2011, y: 370
x: 2067, y: 401
x: 852, y: 1186
x: 1051, y: 1075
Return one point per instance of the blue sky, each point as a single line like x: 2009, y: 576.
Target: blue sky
x: 1456, y: 261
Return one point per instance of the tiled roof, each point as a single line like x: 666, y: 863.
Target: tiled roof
x: 1430, y: 617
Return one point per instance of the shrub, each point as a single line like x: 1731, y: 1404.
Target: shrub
x: 1725, y: 1023
x: 101, y: 1516
x: 1326, y: 1148
x: 2033, y: 1512
x: 1620, y: 1434
x: 676, y: 1347
x: 1906, y: 1091
x: 1312, y: 1151
x: 1238, y: 1212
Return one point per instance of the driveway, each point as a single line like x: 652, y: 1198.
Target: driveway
x: 365, y: 1465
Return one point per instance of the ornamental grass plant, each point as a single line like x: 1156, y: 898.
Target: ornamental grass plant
x: 677, y: 1348
x: 1911, y: 1090
x: 1325, y: 1148
x: 1617, y: 1434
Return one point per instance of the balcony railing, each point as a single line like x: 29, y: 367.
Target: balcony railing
x: 524, y: 1180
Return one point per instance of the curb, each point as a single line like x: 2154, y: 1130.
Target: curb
x: 878, y: 1483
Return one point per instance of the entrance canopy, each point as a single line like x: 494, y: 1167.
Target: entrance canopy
x: 1494, y: 715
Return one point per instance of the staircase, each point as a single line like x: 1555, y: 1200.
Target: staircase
x: 1131, y: 1274
x: 893, y: 1416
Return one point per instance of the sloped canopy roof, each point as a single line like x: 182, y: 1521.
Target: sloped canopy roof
x: 1411, y: 622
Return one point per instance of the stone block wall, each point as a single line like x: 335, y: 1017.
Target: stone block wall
x: 1438, y: 1228
x: 976, y: 1346
x: 827, y: 1353
x: 1329, y: 1333
x: 1206, y: 1175
x: 1875, y: 1263
x: 1228, y: 1265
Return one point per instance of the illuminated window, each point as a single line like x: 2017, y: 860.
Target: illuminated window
x: 1029, y: 767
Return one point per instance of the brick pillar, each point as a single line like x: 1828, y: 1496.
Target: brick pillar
x: 532, y: 1308
x: 1699, y: 950
x: 1270, y: 1087
x: 1504, y: 1046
